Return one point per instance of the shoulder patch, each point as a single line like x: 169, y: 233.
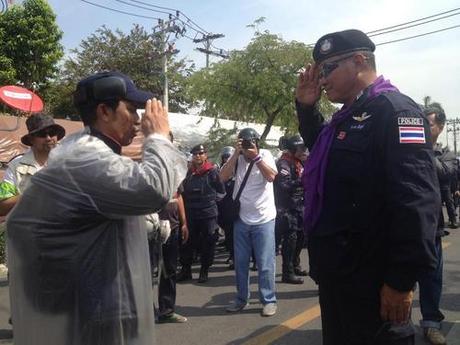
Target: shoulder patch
x: 410, y: 121
x: 284, y: 172
x: 412, y: 135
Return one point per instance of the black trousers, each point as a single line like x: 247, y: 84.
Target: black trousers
x: 350, y: 300
x: 202, y: 237
x: 447, y: 198
x: 228, y: 230
x: 167, y: 278
x: 293, y: 241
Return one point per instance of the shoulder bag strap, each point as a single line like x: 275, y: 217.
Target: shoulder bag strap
x: 246, y: 176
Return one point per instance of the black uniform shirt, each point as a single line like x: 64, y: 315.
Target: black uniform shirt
x: 380, y: 186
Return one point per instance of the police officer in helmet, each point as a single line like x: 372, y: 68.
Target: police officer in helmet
x: 289, y: 203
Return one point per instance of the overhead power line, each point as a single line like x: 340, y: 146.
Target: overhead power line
x: 424, y: 34
x: 170, y: 15
x: 413, y: 25
x: 119, y: 11
x: 413, y: 21
x: 197, y: 27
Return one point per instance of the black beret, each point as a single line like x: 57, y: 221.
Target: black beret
x: 341, y: 42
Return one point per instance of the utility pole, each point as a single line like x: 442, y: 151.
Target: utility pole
x: 453, y: 125
x: 164, y: 29
x: 207, y: 41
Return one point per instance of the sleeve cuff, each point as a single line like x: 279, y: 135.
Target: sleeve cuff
x: 158, y: 136
x: 304, y: 107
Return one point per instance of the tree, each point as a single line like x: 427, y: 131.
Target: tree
x: 137, y: 54
x: 255, y: 84
x: 30, y: 48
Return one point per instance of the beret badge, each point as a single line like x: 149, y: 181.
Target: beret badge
x: 326, y: 46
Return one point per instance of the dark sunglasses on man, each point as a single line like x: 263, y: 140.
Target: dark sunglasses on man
x: 328, y: 67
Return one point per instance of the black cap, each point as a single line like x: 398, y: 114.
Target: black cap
x: 39, y: 122
x: 106, y: 86
x: 198, y: 148
x: 338, y: 43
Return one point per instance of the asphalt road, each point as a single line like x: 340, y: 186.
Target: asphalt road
x: 297, y: 321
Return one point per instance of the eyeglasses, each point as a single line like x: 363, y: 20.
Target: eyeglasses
x: 328, y: 67
x: 44, y: 133
x: 198, y: 153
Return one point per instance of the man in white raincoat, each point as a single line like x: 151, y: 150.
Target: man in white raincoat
x: 79, y: 264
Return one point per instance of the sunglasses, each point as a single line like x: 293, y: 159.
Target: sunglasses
x: 198, y: 153
x: 44, y: 133
x: 328, y: 67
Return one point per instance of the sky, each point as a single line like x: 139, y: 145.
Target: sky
x: 419, y: 67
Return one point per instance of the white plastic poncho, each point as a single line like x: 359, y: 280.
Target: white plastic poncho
x: 79, y: 263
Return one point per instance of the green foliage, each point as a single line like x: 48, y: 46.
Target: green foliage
x: 30, y: 48
x: 256, y: 84
x: 218, y: 138
x: 137, y: 54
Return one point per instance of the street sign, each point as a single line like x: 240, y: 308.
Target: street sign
x: 21, y: 99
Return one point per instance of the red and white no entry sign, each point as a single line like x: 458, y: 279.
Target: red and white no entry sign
x: 21, y: 98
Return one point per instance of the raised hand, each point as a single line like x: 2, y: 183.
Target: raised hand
x: 155, y: 119
x: 308, y: 90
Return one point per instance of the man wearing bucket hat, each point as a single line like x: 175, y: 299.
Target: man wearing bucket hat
x: 43, y: 136
x: 371, y: 194
x: 78, y: 249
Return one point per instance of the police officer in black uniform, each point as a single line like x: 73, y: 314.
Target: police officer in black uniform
x: 199, y: 190
x: 224, y: 218
x: 289, y: 205
x: 371, y: 194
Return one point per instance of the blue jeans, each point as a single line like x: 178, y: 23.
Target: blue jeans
x: 430, y: 285
x: 261, y: 239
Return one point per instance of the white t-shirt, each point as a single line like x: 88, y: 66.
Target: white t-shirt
x: 257, y: 199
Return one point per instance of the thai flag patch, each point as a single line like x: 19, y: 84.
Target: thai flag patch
x: 411, y: 135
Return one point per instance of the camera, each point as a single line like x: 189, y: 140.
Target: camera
x: 247, y: 144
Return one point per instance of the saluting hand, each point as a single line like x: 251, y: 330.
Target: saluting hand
x: 155, y: 119
x: 308, y: 90
x: 395, y: 305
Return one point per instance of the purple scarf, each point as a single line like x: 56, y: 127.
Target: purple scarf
x: 315, y: 170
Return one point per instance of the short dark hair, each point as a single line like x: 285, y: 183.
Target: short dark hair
x: 439, y: 115
x: 370, y: 58
x: 88, y: 113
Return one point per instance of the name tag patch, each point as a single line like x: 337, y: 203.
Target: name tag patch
x: 412, y: 135
x: 410, y: 121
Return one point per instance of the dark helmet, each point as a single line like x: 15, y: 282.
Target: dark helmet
x: 198, y: 148
x: 293, y: 142
x: 248, y: 134
x: 282, y: 142
x: 227, y: 151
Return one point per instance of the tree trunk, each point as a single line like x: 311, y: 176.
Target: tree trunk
x: 268, y: 125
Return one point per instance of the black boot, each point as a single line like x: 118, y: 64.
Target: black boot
x: 184, y: 274
x: 291, y: 279
x: 300, y: 272
x: 203, y: 275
